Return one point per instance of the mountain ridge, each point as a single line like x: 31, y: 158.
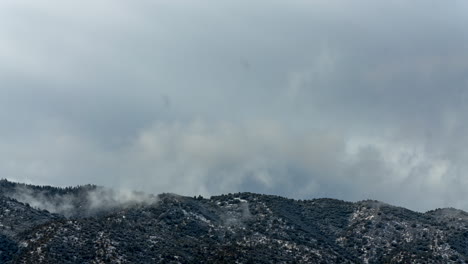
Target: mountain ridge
x: 241, y: 227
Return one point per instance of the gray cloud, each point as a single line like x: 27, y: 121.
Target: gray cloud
x: 356, y: 100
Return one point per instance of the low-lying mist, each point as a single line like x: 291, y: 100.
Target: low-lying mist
x: 82, y: 201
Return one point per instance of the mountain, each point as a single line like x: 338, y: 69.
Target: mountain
x: 91, y: 224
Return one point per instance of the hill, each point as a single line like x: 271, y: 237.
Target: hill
x: 90, y: 224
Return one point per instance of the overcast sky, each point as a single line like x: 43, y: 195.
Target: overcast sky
x: 343, y: 99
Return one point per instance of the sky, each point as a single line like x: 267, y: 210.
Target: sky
x: 352, y: 100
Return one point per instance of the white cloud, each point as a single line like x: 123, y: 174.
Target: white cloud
x: 207, y: 158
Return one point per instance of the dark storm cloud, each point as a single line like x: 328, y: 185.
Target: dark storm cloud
x: 355, y: 100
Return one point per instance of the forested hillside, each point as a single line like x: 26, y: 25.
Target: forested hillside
x: 242, y: 228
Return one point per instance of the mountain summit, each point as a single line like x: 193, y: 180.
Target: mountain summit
x: 91, y: 224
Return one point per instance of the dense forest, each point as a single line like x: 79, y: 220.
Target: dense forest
x: 43, y: 224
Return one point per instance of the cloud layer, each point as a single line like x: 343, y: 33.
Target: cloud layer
x: 305, y: 99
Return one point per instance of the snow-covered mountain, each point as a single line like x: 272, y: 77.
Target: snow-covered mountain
x: 90, y: 224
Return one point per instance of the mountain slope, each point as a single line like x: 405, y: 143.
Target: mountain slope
x: 242, y: 228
